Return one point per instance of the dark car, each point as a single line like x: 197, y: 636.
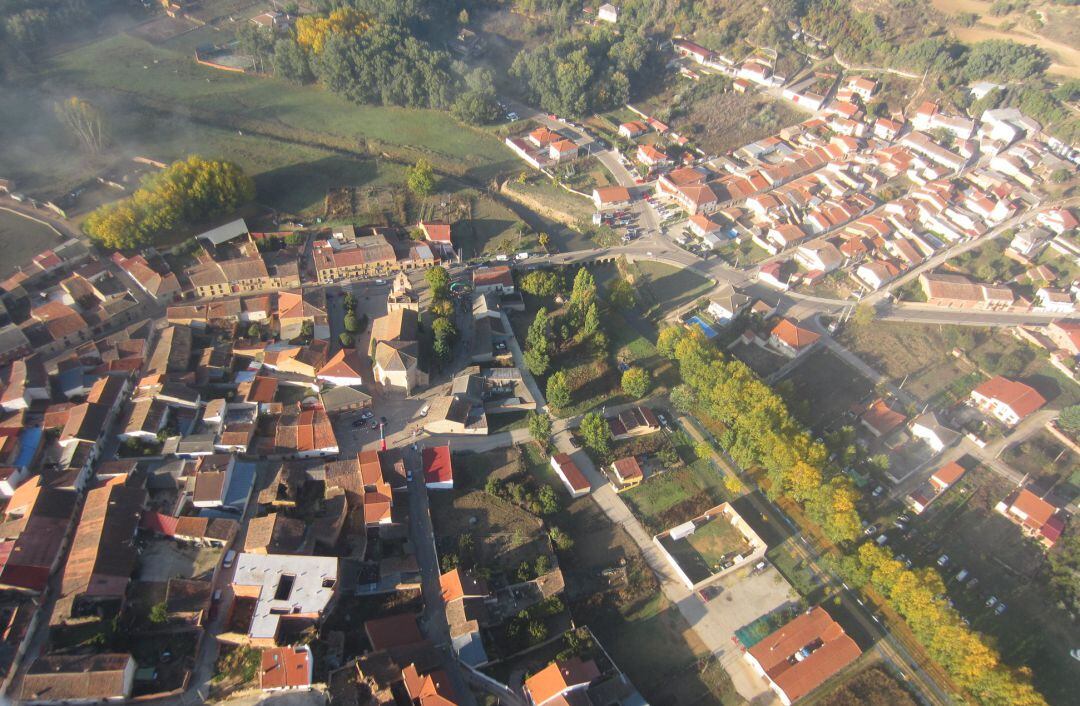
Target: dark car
x: 574, y: 442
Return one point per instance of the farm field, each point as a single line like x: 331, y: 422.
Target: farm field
x: 21, y: 239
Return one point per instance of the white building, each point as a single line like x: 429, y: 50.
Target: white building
x: 284, y: 585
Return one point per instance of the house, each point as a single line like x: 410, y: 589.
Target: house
x: 862, y: 86
x: 456, y: 414
x: 436, y: 232
x: 877, y: 273
x: 633, y: 129
x: 940, y: 481
x: 561, y: 682
x: 401, y: 294
x: 801, y: 655
x: 698, y: 53
x: 396, y: 350
x: 1057, y: 301
x: 651, y: 156
x: 79, y: 679
x: 775, y: 275
x: 496, y: 279
x: 343, y: 369
x: 727, y: 304
x: 1065, y: 334
x: 784, y: 236
x: 881, y: 419
x: 605, y: 197
x: 277, y: 588
x: 297, y: 310
x: 571, y: 476
x: 1006, y: 400
x: 946, y: 476
x: 344, y: 399
x: 636, y: 421
x: 275, y: 534
x: 284, y: 668
x: 26, y: 383
x: 608, y: 13
x: 213, y: 473
x: 432, y: 689
x: 144, y: 420
x: 628, y: 472
x: 306, y: 433
x: 1038, y: 518
x: 562, y: 149
x: 702, y: 226
x: 819, y: 256
x: 457, y: 585
x: 437, y: 467
x: 103, y: 553
x: 790, y: 339
x: 928, y: 428
x: 36, y: 526
x: 1058, y: 220
x: 393, y: 631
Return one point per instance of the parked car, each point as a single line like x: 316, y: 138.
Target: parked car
x: 1000, y: 609
x: 230, y: 556
x: 991, y: 601
x: 662, y: 419
x: 943, y: 560
x: 709, y: 592
x: 367, y: 414
x: 574, y: 442
x: 424, y: 410
x: 878, y: 491
x: 870, y: 530
x: 360, y: 422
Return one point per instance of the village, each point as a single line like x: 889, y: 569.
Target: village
x: 399, y: 450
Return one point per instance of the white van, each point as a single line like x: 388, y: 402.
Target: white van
x: 502, y: 258
x: 424, y: 409
x: 230, y: 556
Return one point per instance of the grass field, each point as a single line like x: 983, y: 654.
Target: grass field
x: 701, y: 553
x: 663, y: 501
x: 295, y: 140
x: 21, y: 239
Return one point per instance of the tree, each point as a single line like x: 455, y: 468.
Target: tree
x: 188, y: 192
x: 544, y: 239
x: 537, y: 344
x: 562, y: 541
x: 443, y: 332
x: 438, y: 279
x: 540, y: 283
x: 420, y: 178
x: 703, y: 449
x: 683, y: 398
x: 159, y: 613
x: 549, y: 502
x: 346, y: 340
x: 1069, y: 420
x: 254, y: 331
x: 84, y: 121
x: 350, y: 323
x: 864, y: 315
x: 621, y: 294
x: 543, y: 562
x: 307, y: 329
x: 1060, y: 175
x: 558, y: 390
x: 463, y: 17
x: 476, y: 107
x: 635, y: 382
x: 314, y: 31
x: 596, y: 434
x: 591, y: 323
x: 540, y: 428
x: 583, y: 293
x: 291, y: 63
x: 668, y: 339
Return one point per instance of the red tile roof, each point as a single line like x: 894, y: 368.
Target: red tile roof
x: 393, y: 631
x: 459, y: 584
x: 285, y: 668
x: 573, y: 474
x: 948, y: 474
x: 1020, y: 398
x: 882, y: 418
x: 628, y: 468
x: 558, y: 677
x: 794, y: 335
x: 437, y: 466
x: 798, y: 677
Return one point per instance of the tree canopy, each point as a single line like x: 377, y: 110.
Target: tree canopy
x: 189, y: 192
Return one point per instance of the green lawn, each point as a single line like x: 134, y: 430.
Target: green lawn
x: 21, y: 239
x: 675, y: 496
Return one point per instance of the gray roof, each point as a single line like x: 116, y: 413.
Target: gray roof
x: 225, y: 233
x: 341, y: 397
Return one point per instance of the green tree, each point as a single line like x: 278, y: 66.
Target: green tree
x: 290, y: 62
x: 683, y: 398
x: 635, y: 382
x: 540, y: 283
x: 254, y: 331
x: 583, y: 293
x: 596, y: 434
x: 621, y: 294
x: 558, y: 390
x: 864, y: 315
x: 537, y: 344
x: 443, y: 333
x: 1060, y: 175
x: 350, y: 323
x: 591, y: 323
x: 438, y: 279
x: 346, y: 340
x: 540, y: 428
x: 549, y: 502
x: 307, y: 329
x: 420, y: 178
x: 562, y: 541
x: 543, y: 562
x: 476, y: 107
x: 159, y: 613
x: 1069, y: 419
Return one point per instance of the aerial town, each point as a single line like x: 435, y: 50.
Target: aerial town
x: 539, y: 353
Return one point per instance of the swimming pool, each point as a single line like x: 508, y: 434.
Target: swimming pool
x: 705, y: 328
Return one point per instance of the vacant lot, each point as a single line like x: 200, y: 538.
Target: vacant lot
x: 825, y: 387
x: 21, y: 239
x: 724, y: 121
x: 1050, y: 465
x: 663, y: 501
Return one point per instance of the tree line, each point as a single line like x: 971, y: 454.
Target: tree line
x: 761, y: 432
x: 188, y: 192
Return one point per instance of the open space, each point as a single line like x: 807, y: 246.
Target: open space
x: 21, y: 239
x: 824, y: 388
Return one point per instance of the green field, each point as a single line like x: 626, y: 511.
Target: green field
x: 295, y: 140
x: 21, y: 239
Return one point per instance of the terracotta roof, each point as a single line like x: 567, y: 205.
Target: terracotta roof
x: 1038, y: 511
x: 437, y: 464
x: 628, y: 468
x: 612, y: 194
x: 85, y: 422
x: 570, y: 470
x: 393, y: 631
x: 794, y: 335
x: 262, y: 389
x: 399, y: 325
x: 882, y: 418
x: 559, y: 676
x: 285, y: 667
x: 346, y: 363
x: 276, y: 534
x: 459, y: 584
x: 76, y: 678
x: 830, y: 650
x: 948, y: 474
x: 497, y: 274
x: 1020, y: 398
x: 439, y: 232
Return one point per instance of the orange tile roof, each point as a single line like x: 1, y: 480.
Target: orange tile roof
x: 285, y: 668
x: 794, y: 335
x: 1020, y: 398
x: 459, y: 584
x: 628, y: 468
x: 437, y: 464
x: 558, y: 677
x: 948, y: 474
x: 1038, y: 511
x: 881, y: 417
